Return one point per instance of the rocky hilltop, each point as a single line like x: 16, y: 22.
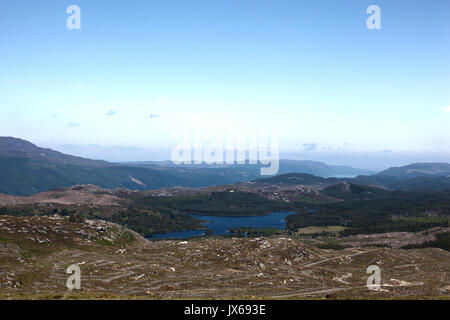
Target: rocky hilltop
x: 117, y: 263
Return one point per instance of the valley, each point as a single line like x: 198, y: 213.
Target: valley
x: 329, y: 231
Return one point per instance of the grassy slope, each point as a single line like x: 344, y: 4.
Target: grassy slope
x: 262, y: 268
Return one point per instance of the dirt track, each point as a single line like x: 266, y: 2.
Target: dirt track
x: 277, y: 267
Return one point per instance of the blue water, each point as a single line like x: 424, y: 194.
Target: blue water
x: 221, y: 225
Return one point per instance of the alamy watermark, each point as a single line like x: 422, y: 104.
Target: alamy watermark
x: 228, y: 148
x: 374, y: 20
x: 74, y: 281
x: 374, y: 281
x: 73, y: 22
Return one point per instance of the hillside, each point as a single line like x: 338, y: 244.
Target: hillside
x: 409, y: 182
x: 27, y: 169
x: 18, y: 148
x: 416, y: 176
x: 345, y: 190
x: 404, y: 183
x: 419, y: 170
x: 25, y: 176
x: 359, y: 209
x: 384, y: 211
x: 115, y: 263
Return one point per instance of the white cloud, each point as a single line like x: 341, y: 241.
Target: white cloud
x: 310, y: 146
x: 446, y: 109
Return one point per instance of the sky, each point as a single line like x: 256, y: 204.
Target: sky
x: 138, y: 74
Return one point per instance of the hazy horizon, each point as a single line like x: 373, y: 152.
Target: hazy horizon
x: 369, y: 161
x: 138, y: 73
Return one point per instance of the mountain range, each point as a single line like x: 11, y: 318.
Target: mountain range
x: 27, y: 169
x: 440, y: 169
x: 286, y: 166
x: 380, y: 180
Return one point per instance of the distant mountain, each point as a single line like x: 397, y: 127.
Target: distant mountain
x: 320, y: 169
x: 27, y: 169
x: 18, y: 148
x: 419, y: 170
x: 376, y: 181
x: 316, y: 168
x: 24, y: 176
x: 416, y: 176
x: 398, y: 183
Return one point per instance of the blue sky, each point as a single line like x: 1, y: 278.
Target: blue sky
x: 138, y: 71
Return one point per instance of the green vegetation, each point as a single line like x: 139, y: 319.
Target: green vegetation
x: 365, y: 210
x: 397, y: 211
x: 76, y: 218
x: 330, y: 246
x: 23, y: 176
x: 423, y: 219
x: 313, y: 200
x: 348, y: 191
x: 151, y: 215
x: 217, y: 203
x: 141, y: 219
x: 148, y: 222
x: 442, y: 241
x: 321, y: 229
x: 297, y: 178
x: 22, y: 211
x: 124, y: 238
